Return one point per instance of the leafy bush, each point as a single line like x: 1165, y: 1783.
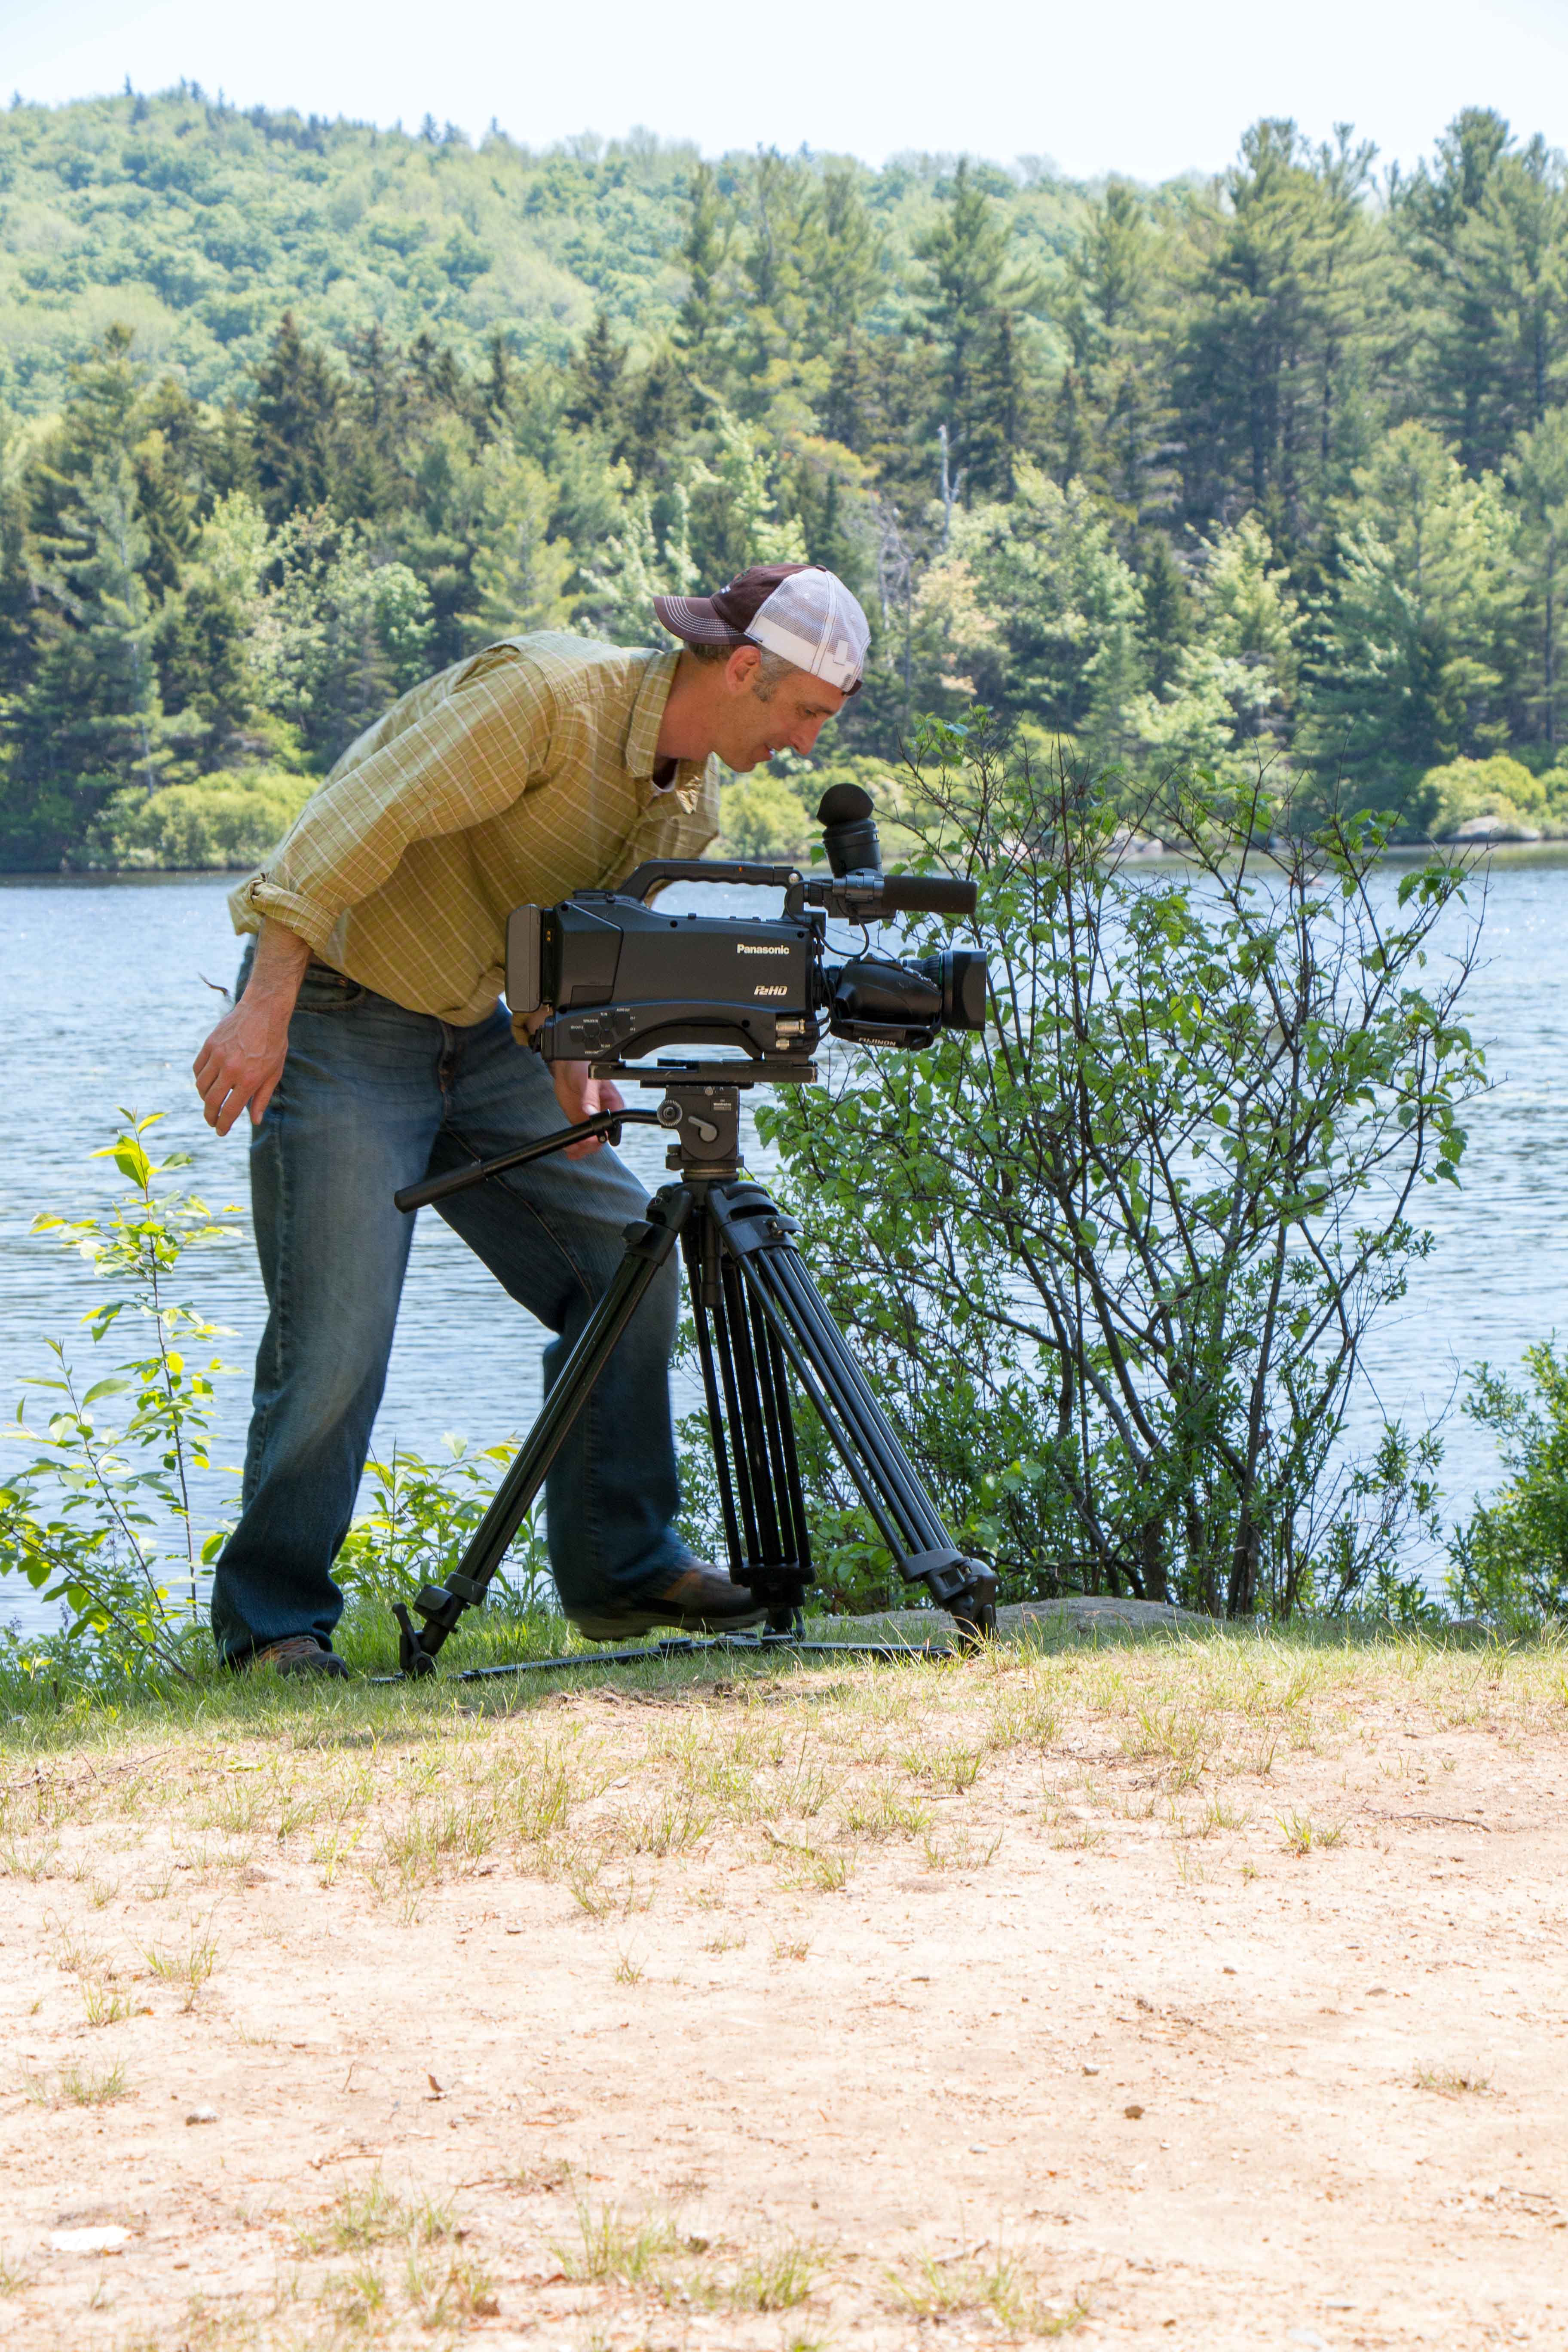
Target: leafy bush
x: 88, y: 1521
x: 1509, y: 1561
x: 1111, y: 1265
x: 100, y: 1518
x: 419, y: 1524
x: 1499, y: 788
x: 229, y: 821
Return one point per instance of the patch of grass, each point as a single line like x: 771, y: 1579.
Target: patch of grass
x: 776, y: 2280
x: 630, y: 1972
x: 454, y: 2288
x: 941, y: 2289
x: 29, y: 1862
x: 963, y: 1851
x: 1300, y: 1835
x: 189, y: 1969
x: 1450, y: 2081
x: 792, y: 1948
x: 957, y: 1769
x: 679, y: 1821
x: 614, y: 2250
x: 83, y: 2088
x: 358, y: 2218
x: 103, y: 2005
x: 725, y: 1941
x: 15, y: 2276
x: 883, y: 1812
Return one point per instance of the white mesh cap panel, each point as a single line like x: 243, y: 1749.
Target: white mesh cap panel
x: 812, y: 620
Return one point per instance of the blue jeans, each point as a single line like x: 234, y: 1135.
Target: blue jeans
x: 372, y: 1097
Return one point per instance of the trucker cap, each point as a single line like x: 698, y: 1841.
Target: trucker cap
x: 799, y: 611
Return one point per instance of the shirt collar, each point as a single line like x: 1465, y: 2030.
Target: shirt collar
x: 647, y: 715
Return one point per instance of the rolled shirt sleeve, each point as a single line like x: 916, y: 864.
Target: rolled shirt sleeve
x: 467, y: 759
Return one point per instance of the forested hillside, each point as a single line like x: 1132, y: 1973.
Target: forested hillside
x: 1268, y: 469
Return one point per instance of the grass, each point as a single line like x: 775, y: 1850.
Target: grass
x: 189, y: 1969
x: 1451, y: 2083
x: 612, y: 2249
x: 939, y: 2289
x: 81, y: 2088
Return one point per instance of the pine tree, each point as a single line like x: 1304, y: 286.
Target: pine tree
x: 1166, y: 620
x: 1485, y: 232
x: 1537, y: 477
x: 1265, y: 378
x: 970, y: 302
x: 296, y: 425
x: 596, y: 383
x: 705, y: 251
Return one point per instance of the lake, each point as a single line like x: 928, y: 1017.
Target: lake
x: 107, y: 988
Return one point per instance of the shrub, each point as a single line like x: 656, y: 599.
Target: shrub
x: 1500, y: 788
x: 224, y: 822
x: 1510, y: 1562
x: 1111, y: 1265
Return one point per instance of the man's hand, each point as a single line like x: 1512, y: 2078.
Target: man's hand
x: 242, y: 1060
x: 580, y: 1096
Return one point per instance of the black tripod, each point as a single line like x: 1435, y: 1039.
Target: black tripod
x: 757, y: 1318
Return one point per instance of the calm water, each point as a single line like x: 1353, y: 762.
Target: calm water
x: 105, y: 997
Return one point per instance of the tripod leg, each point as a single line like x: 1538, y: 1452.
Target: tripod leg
x: 649, y: 1244
x: 907, y: 1520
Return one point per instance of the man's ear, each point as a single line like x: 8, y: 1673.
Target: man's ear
x: 740, y: 669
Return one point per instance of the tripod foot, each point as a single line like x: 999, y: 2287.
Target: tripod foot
x: 412, y: 1655
x: 975, y: 1612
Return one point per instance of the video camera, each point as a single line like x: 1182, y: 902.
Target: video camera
x: 621, y: 979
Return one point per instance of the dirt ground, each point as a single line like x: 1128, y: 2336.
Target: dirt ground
x: 1192, y: 1995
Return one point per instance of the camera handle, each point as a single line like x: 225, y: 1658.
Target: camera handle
x: 756, y: 1310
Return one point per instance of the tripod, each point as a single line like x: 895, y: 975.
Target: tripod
x: 757, y: 1318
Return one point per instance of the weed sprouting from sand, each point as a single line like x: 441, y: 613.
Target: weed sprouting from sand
x: 612, y: 2249
x: 940, y: 2289
x: 189, y: 1969
x: 81, y: 2088
x: 1451, y: 2082
x: 102, y: 2004
x: 15, y: 2276
x: 1301, y: 1835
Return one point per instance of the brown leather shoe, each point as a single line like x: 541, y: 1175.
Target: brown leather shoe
x: 699, y: 1600
x: 301, y: 1654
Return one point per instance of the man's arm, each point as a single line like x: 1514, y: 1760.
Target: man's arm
x: 242, y: 1060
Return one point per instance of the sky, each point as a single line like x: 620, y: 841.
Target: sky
x: 1149, y: 88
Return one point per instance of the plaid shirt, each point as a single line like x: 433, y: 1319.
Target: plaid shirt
x: 521, y: 773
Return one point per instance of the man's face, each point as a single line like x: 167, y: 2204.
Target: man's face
x: 750, y: 729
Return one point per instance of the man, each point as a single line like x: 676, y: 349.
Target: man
x: 369, y: 1046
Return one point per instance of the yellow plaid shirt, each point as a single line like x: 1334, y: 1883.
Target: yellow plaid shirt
x: 521, y: 773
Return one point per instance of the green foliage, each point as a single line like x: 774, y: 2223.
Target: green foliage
x: 226, y: 821
x: 1112, y: 1266
x: 101, y: 1515
x: 1265, y: 468
x: 87, y: 1518
x: 421, y: 1517
x: 1509, y: 1561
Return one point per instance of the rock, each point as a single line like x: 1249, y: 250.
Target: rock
x: 86, y: 2242
x: 1084, y: 1614
x: 1491, y: 828
x: 1132, y: 2114
x: 202, y: 2116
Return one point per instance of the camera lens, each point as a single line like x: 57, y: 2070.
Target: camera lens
x: 960, y: 974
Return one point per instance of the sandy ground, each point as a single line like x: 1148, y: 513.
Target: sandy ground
x: 1192, y: 1997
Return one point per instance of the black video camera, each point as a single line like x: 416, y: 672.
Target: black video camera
x: 621, y: 979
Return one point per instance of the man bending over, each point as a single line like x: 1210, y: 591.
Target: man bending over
x: 370, y: 1046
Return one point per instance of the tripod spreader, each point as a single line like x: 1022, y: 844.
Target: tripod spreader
x: 757, y: 1318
